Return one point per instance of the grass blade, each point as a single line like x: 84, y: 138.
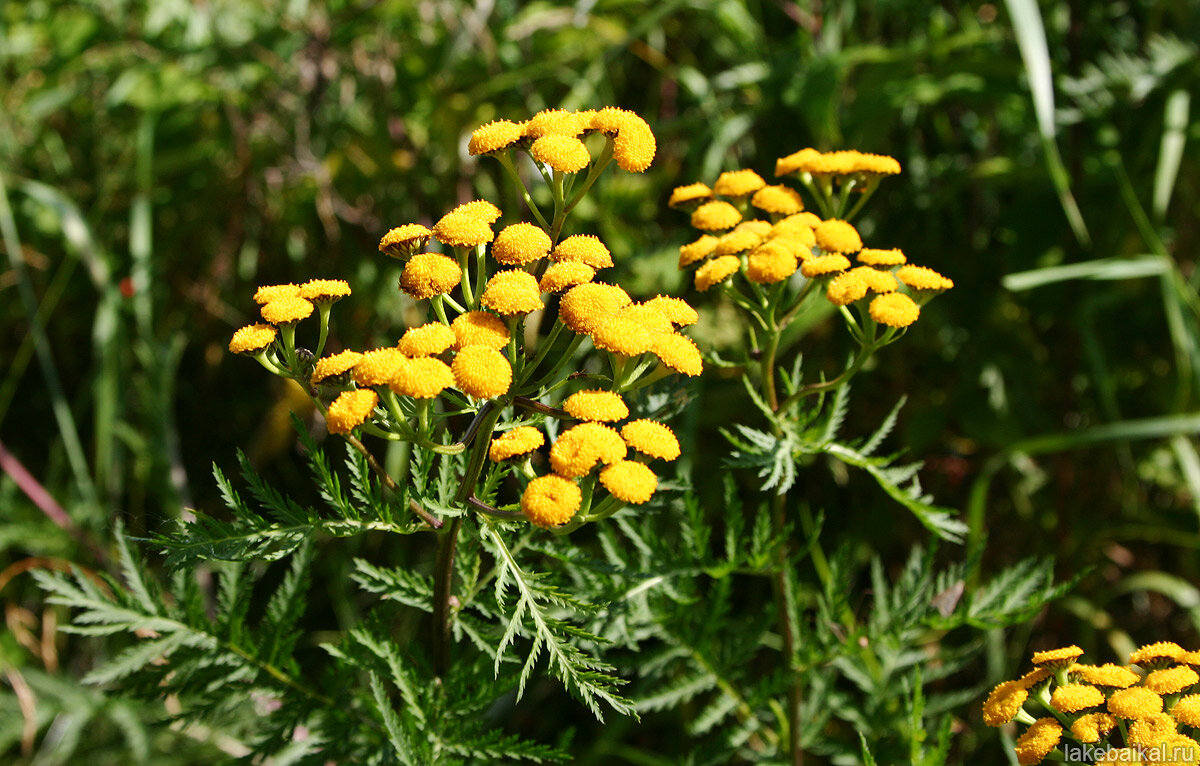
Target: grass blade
x: 1170, y: 153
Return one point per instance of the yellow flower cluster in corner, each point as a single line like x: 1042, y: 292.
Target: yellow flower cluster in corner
x: 1147, y: 712
x: 555, y: 137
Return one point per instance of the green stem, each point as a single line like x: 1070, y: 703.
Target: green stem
x: 486, y: 423
x: 480, y: 270
x: 442, y: 591
x: 464, y: 265
x: 323, y: 308
x: 439, y: 308
x: 864, y: 353
x: 390, y: 483
x: 506, y: 162
x: 594, y: 172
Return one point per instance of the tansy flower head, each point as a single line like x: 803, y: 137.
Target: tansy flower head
x: 687, y: 196
x: 737, y: 242
x: 755, y: 226
x: 1035, y: 677
x: 679, y: 353
x: 622, y: 335
x: 324, y: 290
x: 716, y: 271
x: 460, y: 229
x: 894, y: 310
x: 562, y: 153
x: 698, y: 250
x: 557, y: 122
x: 1187, y: 710
x: 634, y: 146
x: 1156, y: 655
x: 1151, y: 730
x: 520, y: 243
x: 836, y: 236
x: 921, y: 278
x: 1189, y: 658
x: 824, y: 265
x: 427, y: 340
x: 1054, y: 658
x: 676, y: 310
x: 376, y: 368
x: 480, y: 209
x: 252, y: 339
x: 877, y: 281
x: 512, y: 292
x: 579, y: 448
x: 402, y: 241
x: 350, y: 410
x: 481, y: 372
x: 585, y: 306
x: 800, y: 246
x: 268, y: 293
x: 738, y: 183
x: 795, y: 227
x: 599, y: 406
x: 550, y: 501
x: 846, y: 288
x: 1171, y: 680
x: 479, y: 328
x: 777, y: 200
x: 559, y: 276
x: 494, y: 137
x: 429, y: 274
x: 877, y: 164
x: 583, y: 248
x: 334, y: 365
x: 1107, y: 675
x: 647, y: 316
x: 717, y: 215
x: 515, y: 443
x: 1071, y: 698
x: 611, y: 119
x: 796, y: 162
x: 1003, y: 704
x: 629, y: 481
x: 286, y: 310
x: 1134, y: 702
x: 1090, y: 727
x: 1039, y: 739
x: 651, y: 438
x: 770, y: 262
x: 421, y: 378
x: 872, y: 257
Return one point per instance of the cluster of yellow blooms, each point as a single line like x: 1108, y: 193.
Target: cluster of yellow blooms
x: 1121, y: 715
x: 784, y: 238
x: 476, y: 345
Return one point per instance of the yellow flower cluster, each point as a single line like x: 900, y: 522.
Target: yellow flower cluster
x: 1156, y: 713
x: 554, y: 137
x: 841, y: 163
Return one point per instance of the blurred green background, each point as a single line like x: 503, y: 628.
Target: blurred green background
x: 160, y: 159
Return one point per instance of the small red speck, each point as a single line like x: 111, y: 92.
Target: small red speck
x: 127, y: 289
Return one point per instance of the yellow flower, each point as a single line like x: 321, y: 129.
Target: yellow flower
x: 1150, y: 730
x: 716, y: 215
x: 562, y: 153
x: 679, y: 353
x: 479, y: 328
x: 797, y: 162
x: 646, y: 316
x: 1156, y: 654
x: 697, y: 251
x: 512, y: 292
x: 676, y: 310
x: 824, y: 265
x: 579, y: 448
x: 921, y: 278
x: 1090, y: 727
x: 557, y: 122
x: 873, y: 257
x: 737, y: 242
x: 611, y: 120
x: 836, y: 236
x: 350, y: 409
x: 1134, y: 702
x: 683, y: 196
x: 599, y: 406
x: 376, y: 368
x: 520, y: 243
x: 1107, y: 675
x: 429, y: 274
x: 268, y: 293
x: 717, y: 270
x: 403, y: 241
x: 550, y: 501
x: 894, y: 310
x: 1187, y: 710
x: 1071, y: 698
x: 1189, y: 658
x: 460, y: 229
x: 515, y: 443
x: 738, y: 183
x: 1003, y: 704
x: 755, y: 226
x: 777, y: 200
x: 480, y: 209
x: 1171, y: 680
x: 629, y: 481
x: 622, y: 335
x: 252, y: 339
x: 1039, y: 739
x: 482, y: 372
x: 427, y: 340
x: 651, y: 438
x: 1184, y: 750
x: 324, y: 290
x: 796, y: 227
x: 286, y: 310
x: 583, y: 248
x: 559, y: 276
x: 421, y: 378
x: 585, y: 306
x: 879, y: 164
x: 495, y: 136
x: 1035, y: 677
x: 335, y: 365
x: 846, y: 288
x: 770, y: 262
x: 634, y: 146
x: 878, y: 281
